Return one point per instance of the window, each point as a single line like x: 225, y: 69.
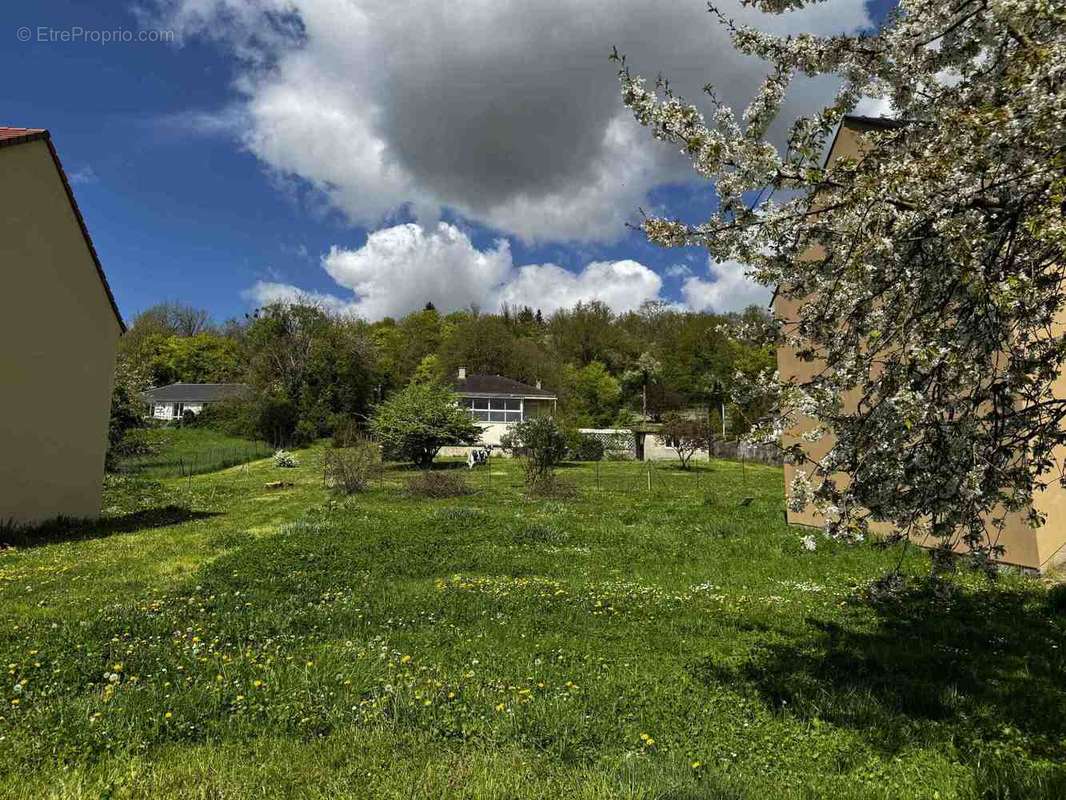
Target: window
x: 179, y: 408
x: 485, y: 409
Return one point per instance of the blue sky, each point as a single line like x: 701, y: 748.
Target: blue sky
x: 182, y: 207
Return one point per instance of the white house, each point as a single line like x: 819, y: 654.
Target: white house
x: 496, y: 403
x: 171, y: 402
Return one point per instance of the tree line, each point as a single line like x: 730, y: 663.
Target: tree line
x: 314, y: 371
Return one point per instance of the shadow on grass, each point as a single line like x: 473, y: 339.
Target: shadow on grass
x: 71, y: 530
x: 985, y: 670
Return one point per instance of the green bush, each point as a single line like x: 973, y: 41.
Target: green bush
x: 140, y: 442
x: 583, y: 447
x: 544, y: 445
x: 416, y: 422
x: 1056, y: 598
x: 233, y: 417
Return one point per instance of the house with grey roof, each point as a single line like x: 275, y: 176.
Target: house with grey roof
x: 496, y: 403
x: 171, y: 402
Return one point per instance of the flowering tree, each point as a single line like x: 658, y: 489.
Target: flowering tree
x: 928, y: 272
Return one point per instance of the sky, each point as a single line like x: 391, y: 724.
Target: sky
x: 377, y: 155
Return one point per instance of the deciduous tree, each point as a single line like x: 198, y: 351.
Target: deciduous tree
x: 928, y: 272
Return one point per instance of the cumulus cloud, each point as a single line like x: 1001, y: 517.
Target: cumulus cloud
x: 400, y: 268
x: 731, y: 289
x: 506, y: 112
x: 623, y: 285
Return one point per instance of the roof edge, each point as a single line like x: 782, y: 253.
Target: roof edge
x: 46, y: 137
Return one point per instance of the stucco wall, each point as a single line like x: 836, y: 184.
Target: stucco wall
x: 58, y: 336
x: 1023, y: 546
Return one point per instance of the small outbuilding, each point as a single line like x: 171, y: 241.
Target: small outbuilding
x: 59, y: 331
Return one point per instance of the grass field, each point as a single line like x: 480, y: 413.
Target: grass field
x: 212, y: 638
x: 192, y: 451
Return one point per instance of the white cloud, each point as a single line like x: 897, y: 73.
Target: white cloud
x: 82, y: 175
x: 400, y: 268
x: 678, y: 271
x: 623, y: 285
x: 506, y: 112
x: 731, y: 289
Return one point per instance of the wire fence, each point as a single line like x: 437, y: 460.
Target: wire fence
x: 211, y: 459
x: 651, y: 479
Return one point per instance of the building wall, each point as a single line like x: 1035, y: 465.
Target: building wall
x: 58, y: 336
x: 166, y: 410
x: 492, y: 432
x: 1024, y: 547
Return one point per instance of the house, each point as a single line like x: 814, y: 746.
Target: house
x: 496, y: 403
x: 59, y: 331
x: 1031, y: 549
x: 171, y: 402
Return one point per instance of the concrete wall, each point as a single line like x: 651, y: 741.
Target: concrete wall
x: 1024, y: 547
x: 58, y: 336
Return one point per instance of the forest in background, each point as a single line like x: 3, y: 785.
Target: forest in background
x: 314, y: 371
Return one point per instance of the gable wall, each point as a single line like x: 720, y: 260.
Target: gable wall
x: 1024, y: 547
x: 58, y: 335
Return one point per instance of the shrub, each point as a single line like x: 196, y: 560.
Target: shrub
x: 233, y: 417
x: 139, y: 442
x: 1056, y: 598
x: 543, y: 443
x: 438, y: 484
x: 350, y: 470
x: 305, y: 433
x: 286, y: 460
x: 347, y: 432
x: 586, y: 448
x: 416, y: 422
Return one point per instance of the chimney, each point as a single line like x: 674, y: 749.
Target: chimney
x: 462, y: 373
x: 538, y: 384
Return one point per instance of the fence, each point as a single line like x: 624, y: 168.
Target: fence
x: 651, y: 479
x: 619, y: 442
x: 195, y: 463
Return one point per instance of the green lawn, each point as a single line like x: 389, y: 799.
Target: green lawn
x: 192, y: 451
x: 213, y: 638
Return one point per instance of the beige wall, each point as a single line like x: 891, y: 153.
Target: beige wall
x: 58, y: 336
x: 1025, y: 547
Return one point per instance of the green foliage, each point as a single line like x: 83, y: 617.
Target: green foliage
x: 313, y: 365
x: 583, y: 447
x: 127, y: 407
x: 231, y: 416
x: 592, y: 396
x: 417, y: 421
x: 543, y: 443
x: 311, y: 370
